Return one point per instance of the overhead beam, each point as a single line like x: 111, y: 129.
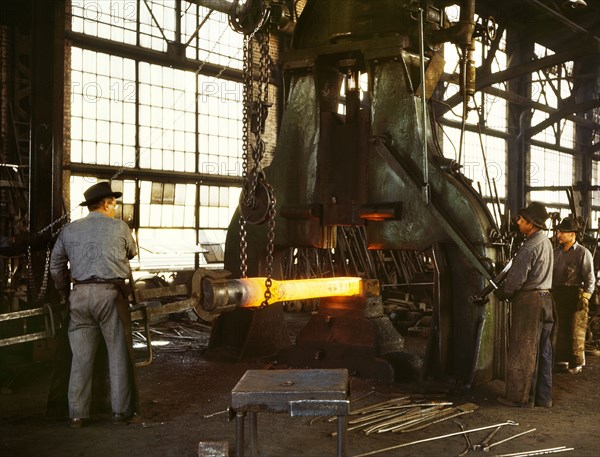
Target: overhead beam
x: 484, y: 80
x: 525, y: 102
x: 562, y: 18
x: 561, y: 113
x: 111, y: 172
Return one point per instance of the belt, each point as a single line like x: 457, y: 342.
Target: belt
x: 541, y: 291
x: 115, y: 281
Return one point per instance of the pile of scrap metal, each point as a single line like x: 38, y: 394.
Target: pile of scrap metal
x: 407, y: 414
x: 403, y: 414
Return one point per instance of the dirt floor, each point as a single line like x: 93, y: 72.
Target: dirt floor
x: 185, y: 398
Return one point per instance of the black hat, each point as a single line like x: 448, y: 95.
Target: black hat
x: 97, y: 192
x: 536, y: 214
x: 568, y: 225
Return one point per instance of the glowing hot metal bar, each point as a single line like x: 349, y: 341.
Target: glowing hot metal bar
x: 224, y: 295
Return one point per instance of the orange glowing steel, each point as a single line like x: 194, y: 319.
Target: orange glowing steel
x: 298, y: 289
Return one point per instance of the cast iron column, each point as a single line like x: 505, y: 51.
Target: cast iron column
x: 519, y: 51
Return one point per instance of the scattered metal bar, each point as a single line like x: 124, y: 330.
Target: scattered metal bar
x: 371, y: 426
x: 433, y: 438
x: 435, y: 414
x: 368, y: 417
x: 206, y: 416
x: 376, y: 421
x: 467, y: 439
x: 354, y: 400
x: 487, y: 448
x: 551, y: 450
x: 379, y: 405
x: 441, y: 419
x: 408, y: 419
x: 486, y: 440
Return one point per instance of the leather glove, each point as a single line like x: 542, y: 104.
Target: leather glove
x: 584, y: 300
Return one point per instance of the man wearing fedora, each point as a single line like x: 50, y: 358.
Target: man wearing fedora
x: 527, y: 284
x: 572, y: 288
x: 93, y: 253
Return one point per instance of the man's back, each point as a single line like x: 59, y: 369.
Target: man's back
x: 96, y: 246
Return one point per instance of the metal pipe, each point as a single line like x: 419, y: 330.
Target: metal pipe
x: 425, y: 187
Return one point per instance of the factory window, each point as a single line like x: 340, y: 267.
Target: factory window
x: 111, y: 20
x: 157, y: 24
x: 548, y: 86
x: 137, y: 117
x: 216, y: 206
x: 167, y: 99
x: 548, y: 167
x: 483, y: 151
x: 219, y: 126
x: 167, y: 204
x: 217, y: 42
x: 103, y: 93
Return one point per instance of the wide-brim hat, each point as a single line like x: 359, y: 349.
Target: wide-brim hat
x: 536, y: 214
x: 568, y: 224
x: 97, y: 192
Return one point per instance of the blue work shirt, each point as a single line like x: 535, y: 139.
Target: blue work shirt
x: 532, y: 266
x: 95, y: 247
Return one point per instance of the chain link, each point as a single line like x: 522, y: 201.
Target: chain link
x: 30, y: 273
x: 243, y: 248
x: 247, y: 96
x: 270, y: 246
x: 254, y: 115
x: 51, y: 225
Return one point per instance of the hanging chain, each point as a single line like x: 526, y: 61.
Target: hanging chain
x: 247, y: 96
x: 30, y: 274
x: 254, y: 115
x: 270, y: 246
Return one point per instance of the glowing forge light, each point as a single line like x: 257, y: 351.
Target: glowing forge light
x: 225, y: 295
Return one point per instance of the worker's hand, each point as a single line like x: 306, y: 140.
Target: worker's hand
x: 584, y: 301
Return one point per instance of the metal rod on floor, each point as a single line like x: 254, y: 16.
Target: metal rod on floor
x: 551, y: 450
x: 487, y: 448
x: 433, y: 438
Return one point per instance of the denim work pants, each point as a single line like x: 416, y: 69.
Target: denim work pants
x: 94, y: 315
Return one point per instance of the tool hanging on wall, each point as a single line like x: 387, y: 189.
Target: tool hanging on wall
x: 257, y: 200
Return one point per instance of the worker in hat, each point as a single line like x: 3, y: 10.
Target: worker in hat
x: 527, y: 286
x: 572, y: 288
x: 94, y: 254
